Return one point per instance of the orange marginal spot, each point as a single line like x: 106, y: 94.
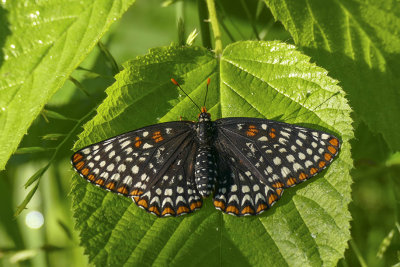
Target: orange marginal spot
x: 143, y: 203
x: 77, y: 157
x: 138, y: 142
x: 136, y: 192
x: 273, y: 130
x: 168, y: 210
x: 100, y: 182
x: 332, y: 149
x: 302, y: 176
x: 182, y: 209
x: 279, y: 191
x: 252, y: 131
x: 277, y: 185
x: 85, y: 171
x: 195, y: 205
x: 79, y: 165
x: 291, y: 181
x: 110, y: 185
x: 334, y: 142
x: 155, y: 210
x: 136, y: 199
x: 157, y: 137
x: 219, y: 204
x: 247, y: 210
x: 91, y: 177
x: 313, y: 171
x: 327, y: 156
x: 261, y: 207
x: 321, y: 164
x: 232, y: 209
x: 123, y: 190
x: 272, y: 198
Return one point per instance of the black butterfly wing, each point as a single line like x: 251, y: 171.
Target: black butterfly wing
x: 258, y: 158
x: 153, y: 165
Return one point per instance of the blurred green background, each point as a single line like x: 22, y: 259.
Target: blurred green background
x: 375, y: 231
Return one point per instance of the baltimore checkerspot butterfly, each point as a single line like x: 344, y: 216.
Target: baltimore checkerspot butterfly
x: 246, y: 163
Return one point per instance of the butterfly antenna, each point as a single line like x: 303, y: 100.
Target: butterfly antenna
x: 205, y: 98
x: 177, y: 84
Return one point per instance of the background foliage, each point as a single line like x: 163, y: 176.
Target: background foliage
x: 357, y: 42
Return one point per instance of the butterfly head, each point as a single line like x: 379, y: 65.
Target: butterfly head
x: 204, y: 116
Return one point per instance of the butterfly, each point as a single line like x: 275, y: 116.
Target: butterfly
x: 245, y: 163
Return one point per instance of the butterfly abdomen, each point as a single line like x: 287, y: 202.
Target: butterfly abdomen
x: 205, y: 170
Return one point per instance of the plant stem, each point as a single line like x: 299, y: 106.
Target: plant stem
x: 204, y: 25
x: 215, y: 26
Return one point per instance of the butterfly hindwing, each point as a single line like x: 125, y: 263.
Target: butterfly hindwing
x: 151, y: 165
x: 258, y: 158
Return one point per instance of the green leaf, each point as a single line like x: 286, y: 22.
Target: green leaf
x: 27, y: 199
x: 37, y: 175
x: 47, y: 42
x: 56, y: 115
x: 359, y: 43
x: 53, y: 136
x: 308, y: 226
x: 33, y: 149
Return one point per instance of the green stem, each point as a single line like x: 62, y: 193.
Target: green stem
x: 204, y: 25
x: 358, y: 254
x: 215, y: 26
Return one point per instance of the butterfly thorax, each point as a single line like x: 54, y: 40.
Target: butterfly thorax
x: 205, y: 166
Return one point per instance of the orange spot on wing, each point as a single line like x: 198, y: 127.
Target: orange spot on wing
x: 261, y: 207
x: 155, y: 210
x: 122, y: 190
x: 85, y: 171
x: 247, y: 210
x: 182, y: 209
x: 143, y: 203
x: 277, y: 185
x: 136, y: 199
x: 332, y: 149
x: 321, y: 164
x: 232, y: 209
x: 334, y: 142
x: 100, y: 182
x: 168, y: 210
x: 279, y: 191
x: 219, y: 204
x: 313, y: 171
x: 110, y: 185
x: 77, y: 157
x: 252, y: 131
x: 302, y: 176
x: 157, y: 137
x: 291, y: 181
x: 91, y: 177
x: 79, y: 165
x: 327, y: 156
x: 272, y: 133
x: 272, y: 198
x: 137, y: 142
x: 136, y: 192
x: 195, y: 205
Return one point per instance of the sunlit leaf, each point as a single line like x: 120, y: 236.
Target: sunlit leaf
x: 308, y: 226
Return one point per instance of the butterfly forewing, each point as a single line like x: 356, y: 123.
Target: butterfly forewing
x: 258, y: 158
x: 152, y: 165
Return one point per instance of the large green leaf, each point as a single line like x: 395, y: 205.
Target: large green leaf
x: 359, y: 43
x: 309, y: 226
x: 42, y: 44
